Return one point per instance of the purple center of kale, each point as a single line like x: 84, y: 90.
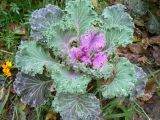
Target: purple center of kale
x: 90, y: 50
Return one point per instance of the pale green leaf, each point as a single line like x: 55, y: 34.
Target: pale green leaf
x: 33, y: 90
x: 77, y: 106
x: 118, y: 36
x: 32, y: 58
x: 58, y: 39
x: 115, y: 16
x: 70, y: 81
x: 81, y: 14
x: 123, y: 82
x: 118, y: 26
x: 97, y: 73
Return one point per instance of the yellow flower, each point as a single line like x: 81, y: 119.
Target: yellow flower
x: 8, y: 74
x: 6, y: 68
x: 8, y: 64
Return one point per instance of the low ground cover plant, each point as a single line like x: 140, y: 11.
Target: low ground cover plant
x: 73, y: 52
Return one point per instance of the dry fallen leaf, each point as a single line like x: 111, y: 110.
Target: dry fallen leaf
x: 126, y: 52
x: 2, y: 93
x: 139, y: 22
x: 152, y: 107
x: 136, y: 48
x: 150, y: 88
x: 153, y: 40
x: 17, y: 29
x: 51, y: 116
x: 156, y: 54
x: 112, y: 1
x: 143, y: 59
x: 145, y: 97
x: 136, y: 39
x: 137, y: 117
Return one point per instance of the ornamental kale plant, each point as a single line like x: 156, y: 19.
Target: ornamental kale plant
x: 72, y: 51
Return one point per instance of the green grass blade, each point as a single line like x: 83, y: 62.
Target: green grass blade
x: 22, y: 113
x: 5, y: 101
x: 113, y: 116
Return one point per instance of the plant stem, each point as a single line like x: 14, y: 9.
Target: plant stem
x: 7, y: 52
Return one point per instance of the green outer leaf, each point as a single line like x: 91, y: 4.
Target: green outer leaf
x: 105, y: 71
x: 31, y: 58
x: 124, y: 81
x: 58, y: 40
x: 97, y: 73
x: 81, y: 14
x: 119, y: 36
x: 118, y: 26
x: 77, y: 106
x: 33, y: 90
x: 58, y: 37
x: 115, y: 16
x: 69, y: 81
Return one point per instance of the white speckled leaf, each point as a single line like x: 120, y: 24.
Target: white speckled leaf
x: 97, y: 73
x: 58, y: 39
x: 70, y: 81
x: 119, y: 36
x: 81, y: 14
x: 42, y: 19
x: 124, y: 81
x: 77, y: 106
x: 31, y: 58
x: 118, y: 26
x: 34, y: 91
x: 115, y: 16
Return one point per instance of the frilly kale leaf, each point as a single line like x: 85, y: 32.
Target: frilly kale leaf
x: 68, y: 81
x: 44, y: 18
x: 58, y: 39
x: 81, y: 14
x: 123, y: 82
x: 139, y: 89
x: 119, y: 36
x: 140, y: 74
x: 33, y: 90
x: 98, y: 73
x: 77, y: 106
x: 32, y: 58
x: 118, y: 26
x: 54, y: 35
x: 115, y: 16
x: 46, y: 27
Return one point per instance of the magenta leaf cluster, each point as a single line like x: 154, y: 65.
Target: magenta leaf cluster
x: 90, y: 49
